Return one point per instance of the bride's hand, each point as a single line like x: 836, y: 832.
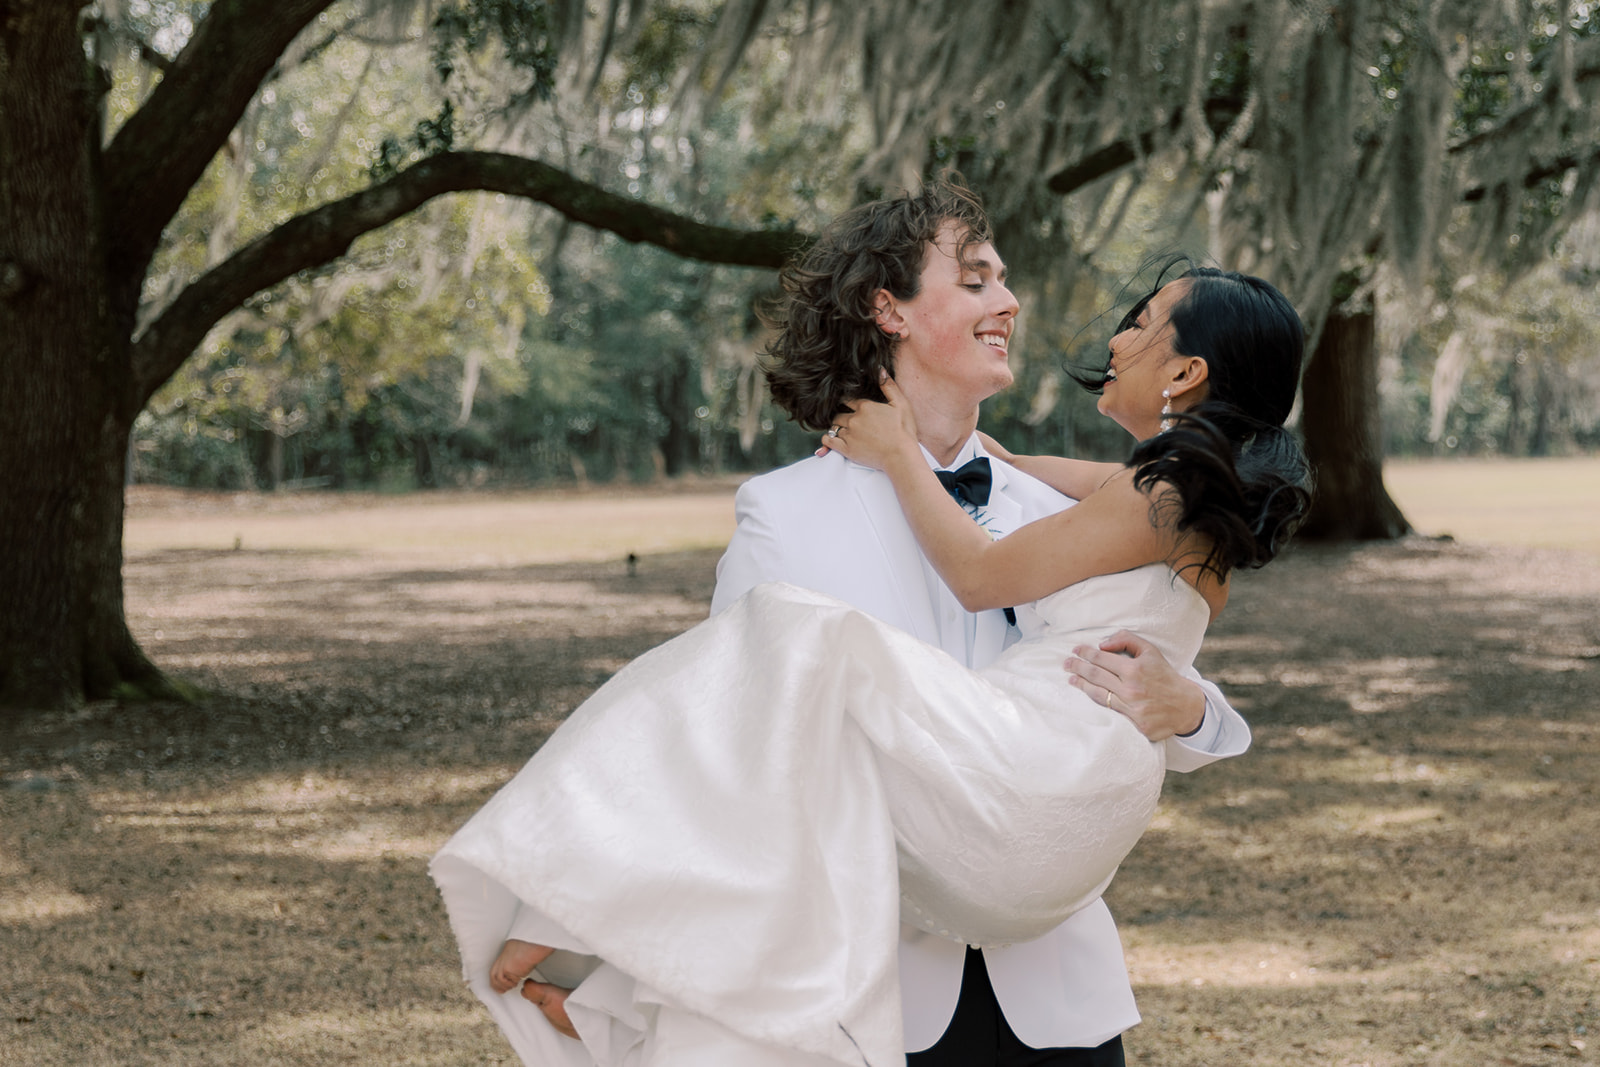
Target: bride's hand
x: 874, y: 434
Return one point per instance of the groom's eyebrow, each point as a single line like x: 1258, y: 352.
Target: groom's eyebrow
x: 984, y: 264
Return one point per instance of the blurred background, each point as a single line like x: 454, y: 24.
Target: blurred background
x: 487, y: 340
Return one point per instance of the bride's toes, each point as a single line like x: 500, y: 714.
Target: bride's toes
x: 516, y: 959
x: 552, y: 1000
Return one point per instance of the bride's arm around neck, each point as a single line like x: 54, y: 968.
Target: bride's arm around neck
x: 1116, y: 528
x: 1076, y: 478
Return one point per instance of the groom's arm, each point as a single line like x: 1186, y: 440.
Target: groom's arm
x: 1185, y: 711
x: 1222, y: 733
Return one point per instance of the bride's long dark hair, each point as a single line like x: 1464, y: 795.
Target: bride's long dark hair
x: 1241, y: 479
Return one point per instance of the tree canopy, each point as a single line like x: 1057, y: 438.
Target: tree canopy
x: 261, y: 182
x: 1070, y: 118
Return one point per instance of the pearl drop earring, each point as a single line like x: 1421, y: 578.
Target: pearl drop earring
x: 1166, y: 410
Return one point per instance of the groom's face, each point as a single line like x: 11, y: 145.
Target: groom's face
x: 958, y: 326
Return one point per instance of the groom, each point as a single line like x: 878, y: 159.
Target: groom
x: 913, y: 285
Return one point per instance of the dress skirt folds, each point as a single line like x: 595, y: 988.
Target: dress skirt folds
x: 724, y: 839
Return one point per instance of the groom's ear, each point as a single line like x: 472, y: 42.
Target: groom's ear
x: 887, y: 313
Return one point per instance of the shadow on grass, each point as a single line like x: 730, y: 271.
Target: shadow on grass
x: 1401, y: 863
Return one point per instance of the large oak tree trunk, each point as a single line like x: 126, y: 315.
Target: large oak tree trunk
x: 65, y: 407
x: 1342, y: 420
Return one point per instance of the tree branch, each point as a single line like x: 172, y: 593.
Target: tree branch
x: 147, y: 52
x: 142, y: 48
x: 1101, y: 162
x: 1514, y: 122
x: 318, y: 237
x: 164, y: 147
x: 1543, y: 172
x: 1221, y: 112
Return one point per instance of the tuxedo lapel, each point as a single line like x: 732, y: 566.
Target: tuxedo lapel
x: 902, y: 557
x: 1003, y: 513
x: 1000, y: 516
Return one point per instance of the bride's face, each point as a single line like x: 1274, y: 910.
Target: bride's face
x: 1143, y: 361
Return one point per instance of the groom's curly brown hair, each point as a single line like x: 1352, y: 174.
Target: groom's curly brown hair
x: 829, y: 347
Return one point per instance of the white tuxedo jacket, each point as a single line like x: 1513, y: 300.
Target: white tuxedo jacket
x: 836, y: 527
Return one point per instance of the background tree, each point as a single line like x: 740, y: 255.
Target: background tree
x: 83, y: 215
x: 1324, y: 143
x: 1498, y: 366
x: 1125, y: 132
x: 1315, y: 143
x: 625, y: 316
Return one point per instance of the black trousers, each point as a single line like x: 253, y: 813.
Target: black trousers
x: 979, y: 1036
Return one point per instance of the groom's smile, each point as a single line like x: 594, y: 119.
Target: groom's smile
x: 994, y: 340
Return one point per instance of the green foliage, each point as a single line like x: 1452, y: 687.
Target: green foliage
x: 354, y: 374
x: 1229, y: 75
x: 194, y: 445
x: 674, y: 36
x: 626, y: 363
x: 472, y: 343
x: 520, y: 29
x: 1487, y: 85
x: 437, y: 134
x: 1528, y: 377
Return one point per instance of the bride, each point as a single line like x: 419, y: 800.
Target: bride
x: 719, y: 845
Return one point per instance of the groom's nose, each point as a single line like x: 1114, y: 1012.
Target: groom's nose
x: 1009, y: 308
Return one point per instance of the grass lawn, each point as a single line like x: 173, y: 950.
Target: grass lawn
x: 1547, y: 503
x: 1395, y: 875
x: 516, y: 527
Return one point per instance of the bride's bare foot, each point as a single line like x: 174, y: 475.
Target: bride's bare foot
x: 552, y: 1000
x: 516, y: 959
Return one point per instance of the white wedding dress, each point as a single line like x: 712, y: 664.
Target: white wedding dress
x: 736, y: 824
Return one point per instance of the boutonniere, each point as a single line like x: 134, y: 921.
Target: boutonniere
x: 983, y: 519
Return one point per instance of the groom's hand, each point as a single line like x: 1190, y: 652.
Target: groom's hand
x: 1130, y: 676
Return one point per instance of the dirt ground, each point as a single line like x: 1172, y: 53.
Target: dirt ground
x: 1405, y: 869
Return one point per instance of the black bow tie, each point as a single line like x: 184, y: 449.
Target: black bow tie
x: 968, y: 483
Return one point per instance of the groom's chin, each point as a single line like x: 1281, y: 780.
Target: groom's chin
x: 1003, y: 380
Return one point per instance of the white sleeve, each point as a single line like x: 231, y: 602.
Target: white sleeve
x: 1223, y: 732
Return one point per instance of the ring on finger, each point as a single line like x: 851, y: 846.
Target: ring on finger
x: 833, y: 431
